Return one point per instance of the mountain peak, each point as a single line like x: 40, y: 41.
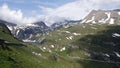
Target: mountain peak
x: 116, y: 10
x: 40, y: 23
x: 7, y: 23
x: 102, y: 17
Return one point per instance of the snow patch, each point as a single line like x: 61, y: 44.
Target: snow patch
x: 117, y: 54
x: 26, y: 40
x: 118, y: 13
x: 83, y: 21
x: 108, y: 16
x: 66, y: 26
x: 49, y: 51
x: 31, y: 25
x: 67, y: 31
x: 63, y: 49
x: 33, y: 52
x: 52, y: 46
x: 116, y: 35
x: 87, y: 54
x: 17, y: 32
x: 31, y: 36
x: 107, y: 55
x: 76, y: 34
x: 84, y: 26
x: 59, y: 39
x: 10, y: 28
x: 44, y: 48
x: 91, y: 19
x: 69, y: 38
x: 93, y: 22
x: 38, y: 54
x: 102, y: 20
x: 111, y: 21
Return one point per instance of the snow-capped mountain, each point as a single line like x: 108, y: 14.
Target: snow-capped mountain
x: 27, y: 32
x: 30, y: 31
x: 103, y: 17
x: 7, y: 23
x: 64, y: 23
x: 11, y: 26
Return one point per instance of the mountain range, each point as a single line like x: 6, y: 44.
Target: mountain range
x: 92, y: 42
x: 29, y: 32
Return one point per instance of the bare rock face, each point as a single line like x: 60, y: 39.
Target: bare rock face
x: 103, y: 17
x: 30, y: 31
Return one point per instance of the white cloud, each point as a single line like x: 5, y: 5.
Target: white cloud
x: 44, y: 3
x: 45, y: 9
x: 73, y: 10
x: 105, y: 2
x: 15, y: 16
x: 79, y: 8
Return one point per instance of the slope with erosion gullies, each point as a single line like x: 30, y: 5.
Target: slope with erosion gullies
x: 5, y: 33
x: 91, y: 45
x: 104, y: 45
x: 22, y: 56
x: 29, y: 56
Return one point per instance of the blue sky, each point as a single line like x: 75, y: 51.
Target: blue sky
x: 32, y: 5
x: 50, y: 11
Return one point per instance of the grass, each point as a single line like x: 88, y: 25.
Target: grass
x: 92, y: 38
x: 23, y: 56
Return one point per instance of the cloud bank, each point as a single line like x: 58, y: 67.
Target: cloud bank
x: 73, y: 10
x: 79, y: 8
x: 15, y: 16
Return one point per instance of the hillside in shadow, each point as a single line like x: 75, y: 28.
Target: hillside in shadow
x: 102, y: 46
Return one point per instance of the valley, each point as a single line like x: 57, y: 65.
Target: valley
x: 87, y: 43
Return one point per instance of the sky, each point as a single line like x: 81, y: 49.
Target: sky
x: 51, y: 11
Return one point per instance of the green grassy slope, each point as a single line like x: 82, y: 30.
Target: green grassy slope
x: 89, y: 42
x: 6, y: 34
x: 30, y: 56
